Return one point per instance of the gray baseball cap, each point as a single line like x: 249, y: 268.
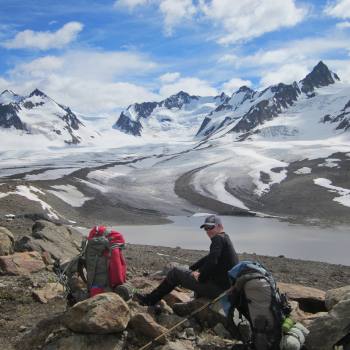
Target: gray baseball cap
x: 212, y: 220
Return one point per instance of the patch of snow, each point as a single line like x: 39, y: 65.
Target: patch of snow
x: 69, y: 194
x: 330, y: 163
x: 303, y: 170
x: 29, y: 192
x: 344, y: 193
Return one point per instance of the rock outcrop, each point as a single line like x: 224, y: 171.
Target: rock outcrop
x: 6, y: 241
x: 104, y: 313
x: 21, y: 263
x: 57, y: 240
x: 328, y: 330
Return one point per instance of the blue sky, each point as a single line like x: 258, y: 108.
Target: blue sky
x: 100, y: 56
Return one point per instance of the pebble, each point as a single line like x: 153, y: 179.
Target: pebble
x: 22, y: 328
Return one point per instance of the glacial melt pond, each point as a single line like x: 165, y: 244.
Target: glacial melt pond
x: 252, y: 235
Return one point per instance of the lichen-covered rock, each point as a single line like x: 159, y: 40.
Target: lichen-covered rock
x: 58, y: 240
x: 6, y: 241
x: 48, y: 292
x: 177, y: 297
x: 327, y: 330
x: 104, y: 313
x: 144, y: 324
x: 297, y: 292
x: 310, y: 299
x: 333, y: 296
x: 21, y: 263
x: 86, y: 342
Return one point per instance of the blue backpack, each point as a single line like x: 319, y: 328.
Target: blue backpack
x: 250, y: 270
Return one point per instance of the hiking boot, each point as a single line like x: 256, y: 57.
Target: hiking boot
x: 156, y: 295
x: 143, y: 299
x: 184, y: 309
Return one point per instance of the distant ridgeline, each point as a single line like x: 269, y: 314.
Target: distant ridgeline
x: 242, y: 113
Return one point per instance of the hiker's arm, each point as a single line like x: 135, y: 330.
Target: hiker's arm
x: 212, y: 259
x: 199, y: 263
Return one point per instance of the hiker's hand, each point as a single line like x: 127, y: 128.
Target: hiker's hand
x: 195, y: 274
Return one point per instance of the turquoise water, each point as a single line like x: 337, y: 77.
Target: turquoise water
x: 252, y: 235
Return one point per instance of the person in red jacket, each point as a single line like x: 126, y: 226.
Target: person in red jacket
x: 208, y: 276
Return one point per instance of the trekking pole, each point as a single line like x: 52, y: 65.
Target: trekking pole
x: 184, y: 320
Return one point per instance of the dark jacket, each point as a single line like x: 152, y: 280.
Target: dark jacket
x: 221, y: 258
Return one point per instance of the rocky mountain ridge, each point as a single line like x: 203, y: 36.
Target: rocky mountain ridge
x: 37, y: 113
x: 241, y: 113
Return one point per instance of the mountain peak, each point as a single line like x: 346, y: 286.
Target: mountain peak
x: 244, y: 88
x: 37, y: 92
x: 8, y: 96
x: 182, y: 93
x: 318, y: 77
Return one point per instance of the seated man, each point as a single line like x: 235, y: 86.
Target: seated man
x: 207, y: 277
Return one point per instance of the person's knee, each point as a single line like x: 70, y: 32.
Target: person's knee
x: 173, y: 276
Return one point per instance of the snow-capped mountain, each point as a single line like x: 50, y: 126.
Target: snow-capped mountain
x: 245, y: 113
x: 179, y: 115
x: 37, y: 113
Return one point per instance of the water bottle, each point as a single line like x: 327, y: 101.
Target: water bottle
x: 287, y: 324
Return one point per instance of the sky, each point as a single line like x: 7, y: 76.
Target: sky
x: 100, y: 56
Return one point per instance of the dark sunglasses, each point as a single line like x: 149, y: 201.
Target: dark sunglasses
x: 208, y: 228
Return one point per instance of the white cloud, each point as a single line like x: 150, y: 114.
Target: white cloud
x: 229, y: 58
x: 288, y: 62
x: 175, y: 11
x: 87, y: 81
x: 284, y: 74
x: 342, y: 68
x: 191, y: 85
x: 130, y: 4
x: 339, y: 9
x: 251, y: 18
x: 232, y: 85
x: 300, y: 51
x: 29, y: 39
x: 89, y: 64
x: 169, y: 77
x: 343, y: 25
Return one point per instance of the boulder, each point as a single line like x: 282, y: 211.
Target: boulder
x: 104, y: 313
x: 86, y: 342
x: 48, y: 292
x: 21, y: 263
x: 26, y: 244
x: 208, y: 316
x: 209, y: 342
x: 35, y: 338
x: 333, y: 296
x: 327, y: 330
x: 177, y: 297
x: 310, y: 299
x: 6, y: 241
x: 144, y: 324
x: 58, y: 240
x: 221, y: 331
x: 168, y: 320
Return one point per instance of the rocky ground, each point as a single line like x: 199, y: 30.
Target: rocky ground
x: 29, y: 292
